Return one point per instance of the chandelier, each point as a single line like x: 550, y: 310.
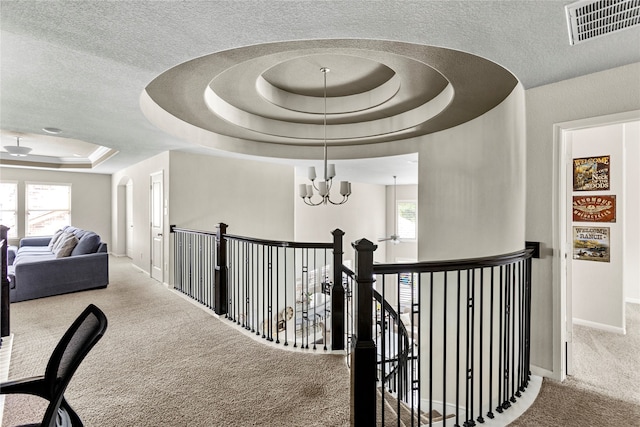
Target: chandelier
x: 323, y: 188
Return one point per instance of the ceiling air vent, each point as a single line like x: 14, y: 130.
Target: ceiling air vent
x: 588, y: 19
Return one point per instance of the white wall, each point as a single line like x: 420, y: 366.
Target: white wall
x: 90, y: 197
x: 363, y: 216
x: 139, y: 174
x: 597, y: 287
x: 471, y: 186
x: 608, y: 92
x: 631, y: 271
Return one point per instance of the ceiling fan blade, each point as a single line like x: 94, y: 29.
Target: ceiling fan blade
x: 385, y: 239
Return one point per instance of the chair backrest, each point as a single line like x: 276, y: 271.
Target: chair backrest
x: 74, y: 345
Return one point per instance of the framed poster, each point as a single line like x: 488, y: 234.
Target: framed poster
x: 591, y: 173
x: 594, y: 208
x: 591, y: 244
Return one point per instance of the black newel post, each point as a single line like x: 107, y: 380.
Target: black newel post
x: 4, y: 284
x: 337, y: 294
x: 363, y: 356
x: 220, y: 286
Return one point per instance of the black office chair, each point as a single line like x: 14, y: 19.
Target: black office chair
x: 74, y: 345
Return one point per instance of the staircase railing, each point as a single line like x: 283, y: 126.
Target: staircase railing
x: 451, y: 339
x: 433, y: 342
x: 282, y: 291
x: 194, y: 266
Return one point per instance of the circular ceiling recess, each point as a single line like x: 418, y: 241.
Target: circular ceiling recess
x: 268, y: 99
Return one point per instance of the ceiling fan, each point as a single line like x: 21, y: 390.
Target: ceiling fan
x: 394, y: 238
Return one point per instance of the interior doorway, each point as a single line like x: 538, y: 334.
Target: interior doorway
x: 129, y: 219
x: 593, y: 280
x: 157, y: 223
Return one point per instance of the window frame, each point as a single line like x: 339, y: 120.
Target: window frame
x: 27, y: 209
x: 13, y: 231
x: 397, y: 218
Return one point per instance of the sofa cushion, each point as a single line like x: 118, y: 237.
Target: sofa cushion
x: 33, y: 257
x: 33, y: 249
x: 54, y: 239
x: 12, y: 251
x: 87, y: 244
x: 69, y: 242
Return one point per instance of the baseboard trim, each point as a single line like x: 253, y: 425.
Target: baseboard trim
x: 141, y: 269
x: 600, y: 326
x: 633, y: 300
x: 117, y: 255
x: 541, y: 372
x: 518, y: 408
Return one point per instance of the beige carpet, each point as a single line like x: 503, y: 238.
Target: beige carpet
x: 165, y: 362
x: 604, y: 389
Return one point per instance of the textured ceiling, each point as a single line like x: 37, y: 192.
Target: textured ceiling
x: 81, y: 66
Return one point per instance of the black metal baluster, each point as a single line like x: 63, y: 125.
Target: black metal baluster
x: 270, y: 311
x: 457, y: 424
x: 254, y: 309
x: 378, y: 324
x: 305, y: 302
x: 263, y: 297
x: 431, y: 350
x: 276, y: 316
x: 415, y: 350
x: 507, y: 334
x: 295, y: 310
x: 520, y: 330
x: 444, y: 349
x: 286, y: 286
x: 500, y: 353
x: 315, y: 288
x: 528, y: 319
x: 480, y: 418
x: 513, y: 334
x: 328, y: 296
x: 471, y: 286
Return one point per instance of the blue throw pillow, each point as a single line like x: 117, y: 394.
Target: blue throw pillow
x: 88, y: 244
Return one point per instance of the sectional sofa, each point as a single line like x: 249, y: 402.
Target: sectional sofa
x: 69, y: 261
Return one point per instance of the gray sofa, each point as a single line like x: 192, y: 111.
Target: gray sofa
x: 75, y: 260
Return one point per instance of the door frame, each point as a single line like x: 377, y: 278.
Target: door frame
x: 563, y: 324
x: 151, y: 227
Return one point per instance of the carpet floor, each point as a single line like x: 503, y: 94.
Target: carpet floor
x: 165, y: 362
x: 603, y: 388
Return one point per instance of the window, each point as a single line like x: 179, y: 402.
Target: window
x: 408, y: 288
x: 406, y: 215
x: 9, y: 207
x: 48, y: 208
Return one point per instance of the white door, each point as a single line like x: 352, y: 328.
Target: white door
x: 157, y: 215
x: 129, y: 219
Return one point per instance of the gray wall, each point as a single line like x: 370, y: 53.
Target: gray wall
x: 254, y: 198
x: 612, y: 91
x: 90, y: 197
x: 471, y: 186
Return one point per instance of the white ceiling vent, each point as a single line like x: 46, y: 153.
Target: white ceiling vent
x: 588, y: 19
